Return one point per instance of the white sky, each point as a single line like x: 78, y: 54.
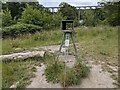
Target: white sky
x: 55, y: 3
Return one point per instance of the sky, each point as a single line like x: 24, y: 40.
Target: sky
x: 55, y: 3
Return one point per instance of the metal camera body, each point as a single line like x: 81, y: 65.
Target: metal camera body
x: 67, y: 26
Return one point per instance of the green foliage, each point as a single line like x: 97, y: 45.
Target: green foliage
x: 68, y: 11
x: 16, y: 8
x: 6, y: 18
x: 70, y: 78
x: 80, y: 70
x: 112, y: 13
x: 53, y: 71
x: 26, y: 41
x: 19, y: 28
x: 47, y: 21
x: 54, y: 67
x: 74, y: 75
x: 32, y: 16
x: 0, y: 18
x: 109, y: 13
x: 57, y: 17
x: 14, y: 70
x: 89, y: 18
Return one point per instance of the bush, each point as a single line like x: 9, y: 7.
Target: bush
x: 67, y: 80
x: 57, y: 17
x: 81, y: 70
x: 6, y: 18
x: 19, y: 28
x: 54, y: 67
x: 74, y: 75
x: 53, y: 71
x: 32, y: 16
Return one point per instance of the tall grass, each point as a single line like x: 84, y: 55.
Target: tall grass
x: 30, y: 40
x: 20, y: 71
x: 100, y: 34
x: 55, y: 71
x: 99, y: 42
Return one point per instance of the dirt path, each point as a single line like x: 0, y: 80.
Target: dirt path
x: 96, y: 79
x: 40, y: 81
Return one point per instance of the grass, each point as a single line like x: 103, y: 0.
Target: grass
x: 24, y: 42
x: 55, y: 72
x: 74, y: 75
x: 0, y: 75
x: 100, y: 43
x: 53, y: 67
x: 19, y: 71
x: 100, y: 34
x: 103, y: 46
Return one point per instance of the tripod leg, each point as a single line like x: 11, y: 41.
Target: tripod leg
x: 74, y: 46
x: 61, y: 45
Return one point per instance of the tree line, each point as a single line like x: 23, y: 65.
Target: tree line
x: 36, y: 14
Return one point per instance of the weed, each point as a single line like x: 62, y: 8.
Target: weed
x: 53, y: 71
x: 18, y: 70
x: 74, y: 75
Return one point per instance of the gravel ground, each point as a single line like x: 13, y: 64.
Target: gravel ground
x: 97, y: 78
x: 40, y: 81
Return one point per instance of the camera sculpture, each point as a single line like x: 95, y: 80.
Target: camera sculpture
x: 67, y: 27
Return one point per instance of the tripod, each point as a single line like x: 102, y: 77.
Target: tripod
x: 66, y: 36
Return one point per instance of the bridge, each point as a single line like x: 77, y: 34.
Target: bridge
x: 77, y: 7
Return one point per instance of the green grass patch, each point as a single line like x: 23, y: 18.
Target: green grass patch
x: 55, y: 72
x: 100, y: 43
x: 101, y: 35
x: 74, y: 75
x: 25, y: 42
x: 20, y: 70
x: 103, y: 47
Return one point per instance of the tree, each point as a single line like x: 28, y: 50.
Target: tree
x: 16, y: 8
x: 6, y: 18
x: 111, y: 12
x: 35, y: 16
x: 57, y: 17
x: 31, y: 15
x: 68, y: 11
